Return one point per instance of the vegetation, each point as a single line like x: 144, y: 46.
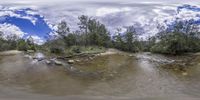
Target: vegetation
x: 128, y: 41
x: 12, y: 42
x: 182, y: 38
x: 93, y: 36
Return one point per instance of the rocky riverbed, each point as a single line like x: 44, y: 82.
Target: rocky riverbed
x: 112, y: 74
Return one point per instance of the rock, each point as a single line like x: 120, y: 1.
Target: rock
x: 90, y: 58
x: 148, y: 53
x: 70, y: 61
x: 58, y: 62
x: 30, y: 51
x: 48, y: 62
x: 10, y: 52
x: 28, y: 56
x: 130, y: 55
x: 98, y: 54
x: 111, y: 75
x: 35, y: 61
x: 78, y: 60
x: 184, y: 73
x: 39, y: 56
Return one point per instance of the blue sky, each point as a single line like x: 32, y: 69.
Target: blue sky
x: 38, y: 17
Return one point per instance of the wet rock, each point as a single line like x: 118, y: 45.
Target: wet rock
x: 131, y: 55
x: 30, y: 51
x: 28, y: 56
x: 71, y: 61
x: 10, y: 52
x: 35, y: 61
x: 39, y: 56
x: 98, y: 54
x: 148, y: 53
x: 58, y: 62
x: 78, y: 60
x: 48, y: 62
x: 184, y: 73
x: 111, y: 75
x: 91, y: 58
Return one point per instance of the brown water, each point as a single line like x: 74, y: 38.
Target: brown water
x: 140, y: 76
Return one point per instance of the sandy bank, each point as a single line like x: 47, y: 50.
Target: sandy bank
x: 10, y: 52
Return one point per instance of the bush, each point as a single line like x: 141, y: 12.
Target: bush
x: 76, y: 49
x: 56, y: 50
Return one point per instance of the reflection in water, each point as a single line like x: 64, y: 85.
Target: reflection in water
x: 146, y: 66
x: 122, y: 76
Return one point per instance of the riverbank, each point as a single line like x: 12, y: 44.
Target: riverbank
x: 10, y: 52
x: 111, y: 73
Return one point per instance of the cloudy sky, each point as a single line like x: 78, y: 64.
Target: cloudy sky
x: 41, y: 2
x: 38, y: 17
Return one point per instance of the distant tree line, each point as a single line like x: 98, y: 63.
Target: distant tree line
x: 181, y: 37
x: 12, y: 42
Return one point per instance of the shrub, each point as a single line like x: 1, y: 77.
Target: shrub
x: 76, y: 49
x: 56, y: 50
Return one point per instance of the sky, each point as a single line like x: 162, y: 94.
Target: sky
x: 41, y: 2
x: 37, y: 18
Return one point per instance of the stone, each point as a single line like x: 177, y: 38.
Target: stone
x: 28, y: 56
x: 78, y: 60
x: 70, y: 61
x: 39, y: 56
x: 58, y: 62
x: 184, y: 73
x: 130, y: 55
x: 10, y: 52
x: 30, y: 51
x: 48, y: 62
x: 90, y: 58
x: 148, y: 53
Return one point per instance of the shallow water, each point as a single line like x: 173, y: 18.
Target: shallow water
x: 139, y: 76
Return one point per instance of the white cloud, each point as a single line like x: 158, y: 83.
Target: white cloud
x: 10, y: 11
x: 104, y: 11
x: 113, y: 14
x: 9, y: 29
x: 37, y: 40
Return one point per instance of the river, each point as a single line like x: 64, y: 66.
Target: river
x: 141, y: 75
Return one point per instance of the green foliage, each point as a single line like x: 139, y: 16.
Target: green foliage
x: 22, y: 45
x: 128, y: 41
x: 56, y: 50
x: 70, y: 40
x: 76, y: 49
x: 9, y: 43
x: 12, y: 42
x: 63, y: 29
x: 91, y: 32
x: 184, y: 38
x: 98, y: 34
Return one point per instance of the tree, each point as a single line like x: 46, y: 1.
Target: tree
x: 63, y: 29
x: 182, y: 37
x: 130, y: 38
x: 117, y: 40
x: 70, y: 39
x: 22, y: 45
x: 98, y: 34
x: 30, y: 43
x: 83, y: 25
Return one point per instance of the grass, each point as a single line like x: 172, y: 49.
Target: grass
x: 84, y: 49
x: 73, y: 50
